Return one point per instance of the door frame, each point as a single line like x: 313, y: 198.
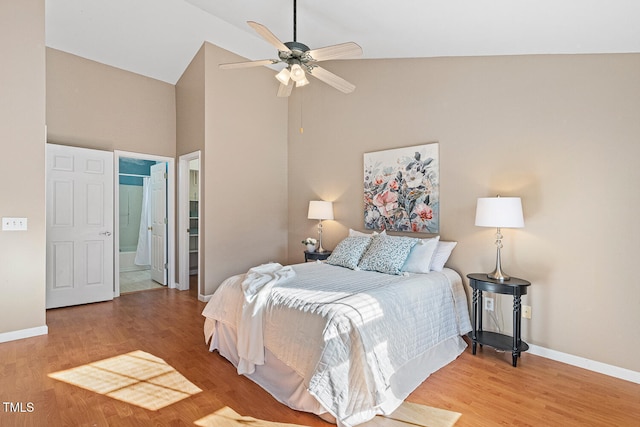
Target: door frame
x: 183, y: 220
x: 171, y: 209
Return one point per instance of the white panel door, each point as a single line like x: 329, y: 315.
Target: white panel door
x: 159, y: 223
x: 79, y: 226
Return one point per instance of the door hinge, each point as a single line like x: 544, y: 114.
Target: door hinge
x: 165, y: 221
x: 166, y: 175
x: 166, y: 266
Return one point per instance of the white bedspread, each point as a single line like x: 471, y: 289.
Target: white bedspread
x: 346, y: 332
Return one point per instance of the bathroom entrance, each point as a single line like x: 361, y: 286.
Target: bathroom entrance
x: 143, y: 222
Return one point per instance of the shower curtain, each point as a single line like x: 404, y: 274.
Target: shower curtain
x: 143, y: 252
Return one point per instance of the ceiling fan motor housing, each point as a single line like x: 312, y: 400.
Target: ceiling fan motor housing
x: 296, y: 50
x: 297, y: 46
x: 297, y: 54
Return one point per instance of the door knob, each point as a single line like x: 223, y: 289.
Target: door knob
x: 106, y: 233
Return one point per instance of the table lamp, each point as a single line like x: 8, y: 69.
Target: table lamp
x: 499, y: 212
x: 320, y: 210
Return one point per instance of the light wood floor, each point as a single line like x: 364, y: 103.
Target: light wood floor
x: 485, y: 388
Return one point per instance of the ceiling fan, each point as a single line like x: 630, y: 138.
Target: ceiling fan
x: 301, y: 60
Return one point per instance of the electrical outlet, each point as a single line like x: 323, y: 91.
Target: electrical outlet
x: 488, y: 304
x: 526, y: 311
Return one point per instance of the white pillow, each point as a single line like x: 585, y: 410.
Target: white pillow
x: 419, y: 259
x: 442, y: 254
x: 353, y: 232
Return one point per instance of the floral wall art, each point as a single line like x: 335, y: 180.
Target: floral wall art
x: 401, y: 189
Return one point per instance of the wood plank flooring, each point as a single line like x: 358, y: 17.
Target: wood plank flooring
x: 485, y: 388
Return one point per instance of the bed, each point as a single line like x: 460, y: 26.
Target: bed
x: 346, y: 344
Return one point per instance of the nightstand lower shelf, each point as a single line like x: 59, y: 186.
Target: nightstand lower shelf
x: 495, y: 340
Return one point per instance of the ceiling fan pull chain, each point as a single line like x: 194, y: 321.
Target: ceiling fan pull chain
x: 301, y: 118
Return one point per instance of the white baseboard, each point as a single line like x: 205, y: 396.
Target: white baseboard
x: 176, y: 285
x: 591, y: 365
x: 205, y: 298
x: 24, y: 333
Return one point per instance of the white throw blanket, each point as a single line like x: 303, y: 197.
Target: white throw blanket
x: 256, y: 287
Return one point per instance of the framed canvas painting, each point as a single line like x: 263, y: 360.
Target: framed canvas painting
x: 401, y: 189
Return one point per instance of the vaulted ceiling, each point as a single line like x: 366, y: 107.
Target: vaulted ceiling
x: 158, y: 38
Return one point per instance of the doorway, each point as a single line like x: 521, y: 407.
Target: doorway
x: 190, y: 242
x: 144, y: 222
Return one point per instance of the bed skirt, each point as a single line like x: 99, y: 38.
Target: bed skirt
x: 286, y: 386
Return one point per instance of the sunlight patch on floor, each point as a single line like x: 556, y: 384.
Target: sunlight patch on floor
x: 407, y: 415
x: 227, y: 417
x: 137, y: 378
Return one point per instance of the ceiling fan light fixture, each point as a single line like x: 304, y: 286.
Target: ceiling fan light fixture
x: 283, y: 76
x: 297, y: 73
x: 299, y: 60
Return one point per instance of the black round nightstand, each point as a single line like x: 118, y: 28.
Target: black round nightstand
x: 316, y: 256
x: 480, y: 282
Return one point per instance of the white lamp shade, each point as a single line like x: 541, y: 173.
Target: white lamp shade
x: 319, y: 209
x: 297, y: 73
x: 499, y: 212
x: 283, y: 76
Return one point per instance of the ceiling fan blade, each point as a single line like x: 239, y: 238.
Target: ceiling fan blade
x: 343, y: 50
x: 332, y: 80
x: 268, y: 35
x: 248, y: 64
x: 285, y: 90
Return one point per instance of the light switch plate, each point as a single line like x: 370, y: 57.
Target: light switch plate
x: 14, y: 224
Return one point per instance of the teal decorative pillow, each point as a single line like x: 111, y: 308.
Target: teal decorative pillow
x: 349, y: 251
x: 387, y: 254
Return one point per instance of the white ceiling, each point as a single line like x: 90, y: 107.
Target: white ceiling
x: 158, y: 38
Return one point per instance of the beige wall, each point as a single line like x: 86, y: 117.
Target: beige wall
x: 244, y: 171
x: 22, y: 136
x: 245, y: 168
x: 190, y: 114
x: 190, y: 125
x: 559, y: 131
x: 93, y: 105
x: 234, y: 117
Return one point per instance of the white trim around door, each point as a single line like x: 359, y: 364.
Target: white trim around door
x: 184, y: 222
